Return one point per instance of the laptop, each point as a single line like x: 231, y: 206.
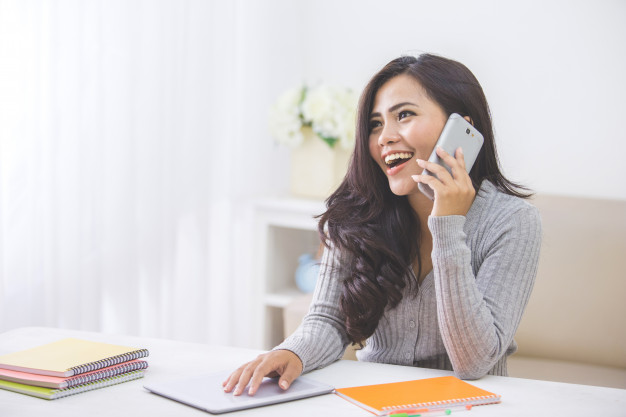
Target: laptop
x: 205, y: 392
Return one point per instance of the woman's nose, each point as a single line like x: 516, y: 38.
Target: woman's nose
x: 388, y: 136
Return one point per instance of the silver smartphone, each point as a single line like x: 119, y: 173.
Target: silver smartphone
x: 457, y: 133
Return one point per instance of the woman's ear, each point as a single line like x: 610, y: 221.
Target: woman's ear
x: 469, y: 119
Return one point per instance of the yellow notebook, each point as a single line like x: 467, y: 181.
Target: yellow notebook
x: 431, y: 393
x: 68, y: 357
x: 53, y: 394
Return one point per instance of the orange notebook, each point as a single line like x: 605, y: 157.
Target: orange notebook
x: 431, y: 393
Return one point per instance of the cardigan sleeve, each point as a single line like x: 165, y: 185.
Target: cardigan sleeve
x: 321, y: 337
x: 478, y: 313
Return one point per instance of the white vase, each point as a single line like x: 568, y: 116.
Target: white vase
x: 316, y: 168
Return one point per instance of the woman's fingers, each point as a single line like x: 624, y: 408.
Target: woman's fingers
x: 454, y: 192
x: 442, y: 174
x: 232, y: 379
x: 291, y: 372
x: 245, y: 377
x: 429, y: 180
x: 283, y: 363
x: 456, y: 163
x: 460, y: 158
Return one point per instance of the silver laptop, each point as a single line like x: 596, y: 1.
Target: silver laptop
x: 206, y: 393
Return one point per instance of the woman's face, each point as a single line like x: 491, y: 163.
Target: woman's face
x: 404, y: 126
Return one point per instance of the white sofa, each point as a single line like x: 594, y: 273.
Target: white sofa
x: 574, y: 328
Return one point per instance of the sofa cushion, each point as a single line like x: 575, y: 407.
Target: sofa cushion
x: 577, y: 310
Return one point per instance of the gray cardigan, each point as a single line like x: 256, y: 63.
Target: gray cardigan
x: 467, y: 308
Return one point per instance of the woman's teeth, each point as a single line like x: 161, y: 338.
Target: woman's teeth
x: 393, y: 158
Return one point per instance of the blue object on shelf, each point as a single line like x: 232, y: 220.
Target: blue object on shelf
x: 306, y: 273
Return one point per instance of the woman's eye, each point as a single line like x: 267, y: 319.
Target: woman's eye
x: 405, y: 113
x: 374, y: 124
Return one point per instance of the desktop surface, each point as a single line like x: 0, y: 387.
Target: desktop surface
x: 172, y: 359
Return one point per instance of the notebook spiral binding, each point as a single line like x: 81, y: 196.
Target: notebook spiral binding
x: 443, y: 404
x: 107, y: 373
x: 114, y: 360
x: 97, y: 384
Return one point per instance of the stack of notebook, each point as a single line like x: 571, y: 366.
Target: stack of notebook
x: 70, y: 366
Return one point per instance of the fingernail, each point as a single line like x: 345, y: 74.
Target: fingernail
x: 251, y: 391
x: 416, y: 178
x: 420, y: 162
x: 284, y: 384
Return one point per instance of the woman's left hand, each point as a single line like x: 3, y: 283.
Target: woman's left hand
x: 454, y: 194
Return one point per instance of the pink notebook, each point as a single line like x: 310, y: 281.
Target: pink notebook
x: 68, y: 382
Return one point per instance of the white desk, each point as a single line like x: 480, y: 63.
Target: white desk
x: 520, y: 397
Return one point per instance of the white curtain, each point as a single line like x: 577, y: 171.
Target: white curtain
x: 116, y: 151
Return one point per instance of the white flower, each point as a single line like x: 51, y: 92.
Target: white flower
x: 329, y: 111
x: 285, y: 120
x: 348, y: 126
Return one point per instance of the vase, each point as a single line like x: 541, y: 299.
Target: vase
x: 307, y: 272
x: 316, y: 168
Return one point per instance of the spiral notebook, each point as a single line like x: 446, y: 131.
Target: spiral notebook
x: 59, y: 382
x: 431, y: 393
x: 69, y: 357
x: 53, y: 394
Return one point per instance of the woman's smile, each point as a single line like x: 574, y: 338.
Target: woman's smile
x: 396, y: 161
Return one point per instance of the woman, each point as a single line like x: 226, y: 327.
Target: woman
x: 437, y: 284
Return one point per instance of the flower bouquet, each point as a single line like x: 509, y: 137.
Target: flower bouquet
x: 318, y: 124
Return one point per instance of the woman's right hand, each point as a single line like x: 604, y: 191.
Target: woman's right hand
x: 283, y: 363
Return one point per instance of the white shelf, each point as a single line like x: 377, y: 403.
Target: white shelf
x: 290, y: 212
x: 285, y: 228
x: 281, y: 299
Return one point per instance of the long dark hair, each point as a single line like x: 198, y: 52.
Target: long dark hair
x: 376, y: 231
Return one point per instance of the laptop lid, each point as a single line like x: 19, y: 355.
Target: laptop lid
x: 206, y: 393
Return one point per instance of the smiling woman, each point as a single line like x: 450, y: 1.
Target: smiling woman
x: 403, y: 109
x: 438, y: 284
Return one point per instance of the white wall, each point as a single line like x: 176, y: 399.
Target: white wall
x: 553, y: 72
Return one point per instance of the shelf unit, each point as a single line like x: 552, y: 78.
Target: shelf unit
x: 284, y: 230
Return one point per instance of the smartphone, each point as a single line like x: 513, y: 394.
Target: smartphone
x: 457, y: 133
